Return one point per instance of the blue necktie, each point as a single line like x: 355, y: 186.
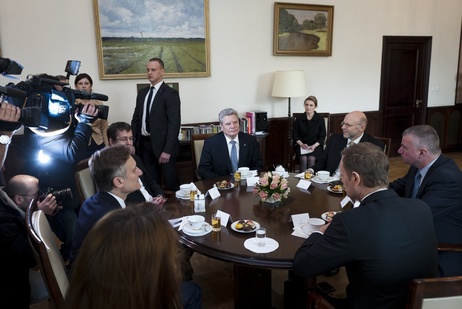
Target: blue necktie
x: 416, y: 186
x: 148, y: 108
x: 234, y: 155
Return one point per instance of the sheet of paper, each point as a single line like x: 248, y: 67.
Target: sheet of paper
x: 304, y: 184
x: 224, y: 217
x: 300, y: 219
x: 214, y: 193
x: 305, y: 151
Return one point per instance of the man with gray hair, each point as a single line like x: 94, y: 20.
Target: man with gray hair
x: 230, y: 149
x: 437, y: 180
x: 383, y: 243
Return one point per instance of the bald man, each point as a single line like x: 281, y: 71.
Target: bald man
x: 353, y: 131
x: 19, y: 284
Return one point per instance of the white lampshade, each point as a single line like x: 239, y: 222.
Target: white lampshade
x: 289, y: 84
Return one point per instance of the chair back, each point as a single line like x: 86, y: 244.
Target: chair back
x: 47, y: 254
x: 197, y: 143
x: 387, y: 142
x: 436, y: 293
x: 84, y: 181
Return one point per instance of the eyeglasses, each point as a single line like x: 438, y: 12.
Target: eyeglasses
x: 343, y: 123
x: 125, y: 139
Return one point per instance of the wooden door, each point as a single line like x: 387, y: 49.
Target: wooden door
x: 404, y: 85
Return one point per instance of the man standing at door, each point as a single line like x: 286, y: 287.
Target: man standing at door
x: 437, y: 180
x: 156, y: 125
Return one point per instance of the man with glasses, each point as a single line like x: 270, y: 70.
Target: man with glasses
x: 230, y: 149
x: 16, y: 257
x: 120, y: 133
x: 353, y: 126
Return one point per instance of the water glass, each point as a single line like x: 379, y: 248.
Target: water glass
x: 216, y: 223
x: 261, y: 236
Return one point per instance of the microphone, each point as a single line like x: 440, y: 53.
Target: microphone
x: 13, y: 92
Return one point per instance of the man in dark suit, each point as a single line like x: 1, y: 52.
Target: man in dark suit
x: 353, y: 127
x: 383, y: 243
x: 440, y: 186
x: 157, y: 111
x: 217, y: 151
x: 120, y: 133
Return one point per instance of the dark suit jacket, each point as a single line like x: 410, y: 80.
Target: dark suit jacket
x: 441, y: 189
x: 383, y: 244
x: 93, y: 209
x: 215, y: 159
x: 149, y: 184
x: 164, y: 120
x: 330, y: 160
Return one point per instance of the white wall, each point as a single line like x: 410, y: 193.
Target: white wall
x: 43, y: 35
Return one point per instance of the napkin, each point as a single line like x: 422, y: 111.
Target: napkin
x: 176, y: 222
x: 347, y: 200
x: 183, y: 223
x: 252, y: 181
x: 270, y: 245
x: 298, y: 232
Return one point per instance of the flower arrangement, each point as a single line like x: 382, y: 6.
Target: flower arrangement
x: 272, y: 187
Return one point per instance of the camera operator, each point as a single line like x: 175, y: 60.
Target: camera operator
x: 64, y: 148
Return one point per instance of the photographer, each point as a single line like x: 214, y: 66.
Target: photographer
x: 63, y: 148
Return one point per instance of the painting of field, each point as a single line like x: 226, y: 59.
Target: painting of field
x: 130, y: 55
x: 129, y: 33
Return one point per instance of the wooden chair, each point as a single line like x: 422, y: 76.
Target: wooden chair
x: 436, y: 293
x: 387, y: 142
x: 293, y: 164
x: 197, y: 143
x: 47, y: 254
x: 84, y: 181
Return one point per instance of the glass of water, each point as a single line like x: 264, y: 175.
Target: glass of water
x: 261, y: 236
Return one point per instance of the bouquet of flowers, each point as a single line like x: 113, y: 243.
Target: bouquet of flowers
x: 272, y: 187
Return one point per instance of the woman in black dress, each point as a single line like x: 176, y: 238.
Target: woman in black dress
x: 309, y: 134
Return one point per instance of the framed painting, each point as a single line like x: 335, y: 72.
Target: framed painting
x: 302, y: 29
x: 129, y: 33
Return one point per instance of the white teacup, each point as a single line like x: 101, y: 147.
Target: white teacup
x: 196, y: 221
x: 244, y: 171
x: 185, y: 189
x: 315, y: 223
x: 323, y: 175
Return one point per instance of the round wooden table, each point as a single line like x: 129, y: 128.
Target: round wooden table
x: 253, y: 270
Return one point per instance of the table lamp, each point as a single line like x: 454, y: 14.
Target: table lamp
x: 289, y: 84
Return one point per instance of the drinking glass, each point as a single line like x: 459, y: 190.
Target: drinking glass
x: 261, y: 236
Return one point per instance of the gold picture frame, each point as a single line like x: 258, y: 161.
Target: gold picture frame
x: 302, y: 29
x: 127, y: 37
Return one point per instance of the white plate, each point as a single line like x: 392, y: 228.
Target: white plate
x: 270, y: 245
x: 332, y: 191
x: 324, y: 215
x: 180, y: 195
x: 329, y: 179
x: 207, y: 228
x: 233, y: 226
x: 232, y: 186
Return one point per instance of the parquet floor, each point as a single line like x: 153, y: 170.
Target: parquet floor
x: 216, y: 277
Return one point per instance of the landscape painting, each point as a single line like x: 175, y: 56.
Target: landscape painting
x: 303, y: 29
x: 129, y: 33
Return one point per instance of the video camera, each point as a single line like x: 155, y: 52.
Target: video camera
x: 49, y: 103
x: 60, y: 195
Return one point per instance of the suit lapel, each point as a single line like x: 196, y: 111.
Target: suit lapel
x: 157, y: 97
x: 223, y: 148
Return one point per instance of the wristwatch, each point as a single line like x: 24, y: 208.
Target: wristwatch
x: 5, y: 139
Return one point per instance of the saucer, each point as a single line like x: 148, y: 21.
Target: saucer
x: 180, y: 195
x: 270, y: 245
x: 206, y: 228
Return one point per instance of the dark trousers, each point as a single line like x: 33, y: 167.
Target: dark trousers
x: 156, y: 170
